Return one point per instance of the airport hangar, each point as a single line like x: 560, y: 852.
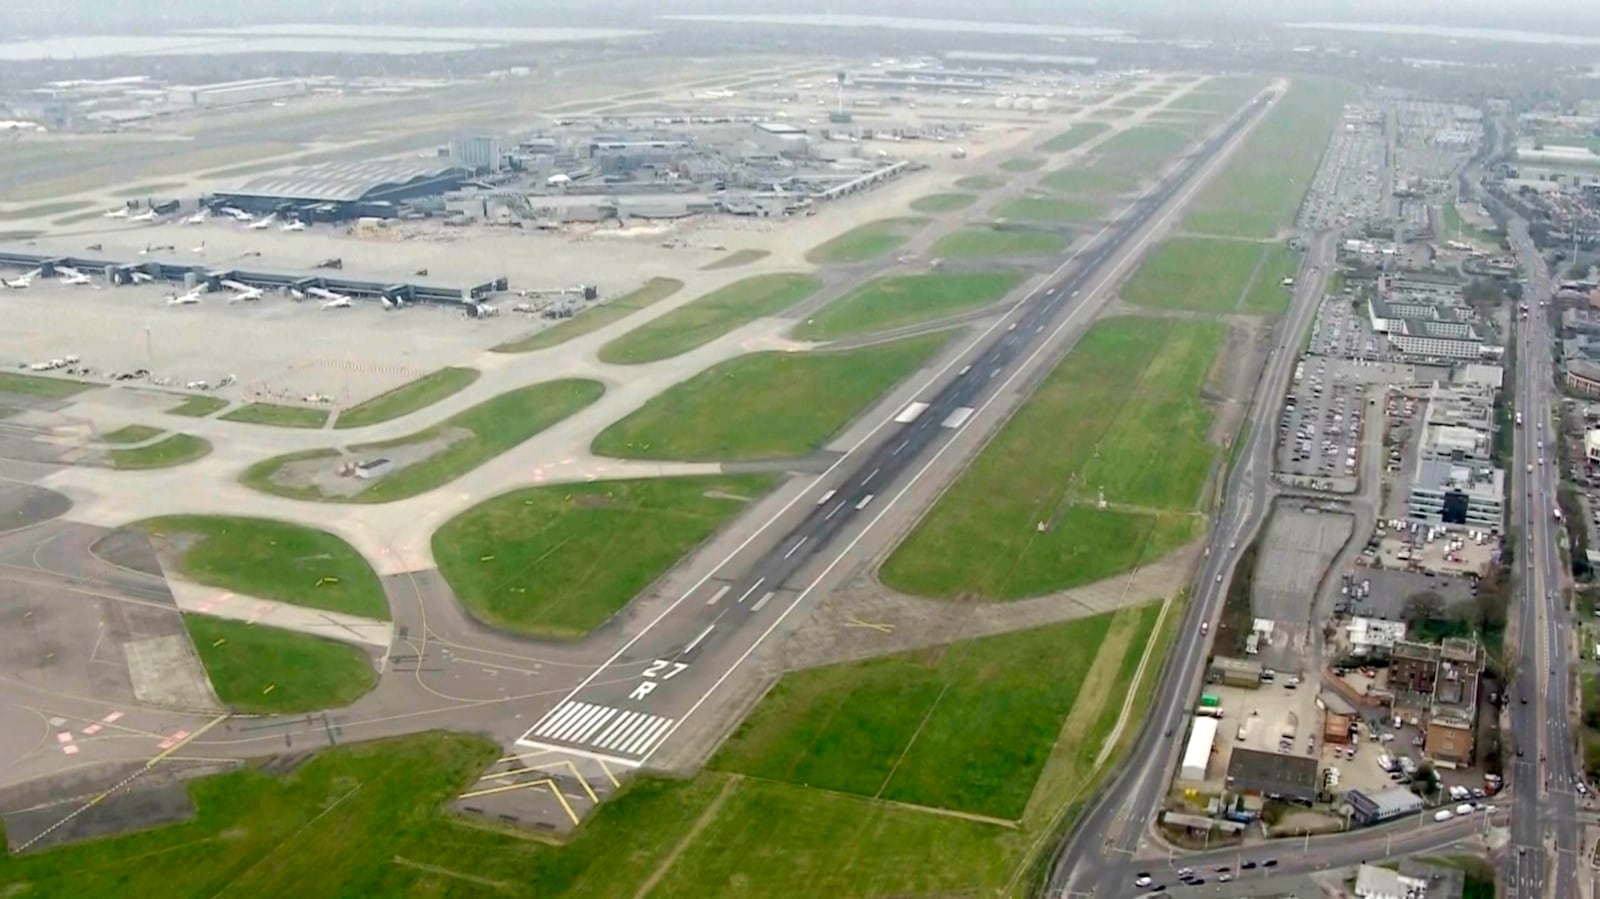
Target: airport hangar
x: 341, y: 191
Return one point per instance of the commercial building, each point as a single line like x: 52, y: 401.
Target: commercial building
x: 1438, y: 685
x: 1197, y: 753
x: 959, y: 59
x: 781, y: 139
x: 1454, y: 481
x: 1591, y: 445
x: 1424, y: 319
x: 233, y: 93
x: 1373, y: 882
x: 477, y: 154
x: 1582, y: 377
x: 1367, y: 635
x: 1338, y: 727
x: 1273, y: 775
x: 1234, y: 672
x: 339, y: 191
x: 1368, y: 808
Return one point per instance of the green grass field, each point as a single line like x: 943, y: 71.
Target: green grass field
x: 978, y: 242
x: 1130, y: 390
x: 1022, y: 164
x: 901, y: 727
x: 943, y: 202
x: 1196, y: 273
x: 48, y: 388
x: 1091, y: 181
x: 130, y: 434
x: 980, y: 182
x: 369, y: 819
x: 558, y: 561
x: 736, y: 259
x: 1136, y: 146
x: 764, y: 405
x: 1050, y: 209
x: 267, y: 670
x: 1456, y: 228
x: 1257, y: 193
x: 407, y: 398
x: 174, y: 450
x: 487, y: 430
x: 1219, y: 96
x: 709, y: 317
x: 1111, y: 112
x: 1267, y: 295
x: 272, y: 560
x: 1073, y: 137
x: 278, y: 416
x: 594, y: 318
x: 896, y: 302
x: 865, y: 242
x: 199, y: 406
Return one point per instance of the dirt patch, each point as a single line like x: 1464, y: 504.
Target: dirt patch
x: 1232, y: 379
x: 722, y: 494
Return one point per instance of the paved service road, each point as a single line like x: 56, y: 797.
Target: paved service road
x: 1544, y: 772
x: 632, y: 704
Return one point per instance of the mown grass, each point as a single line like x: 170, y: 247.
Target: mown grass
x: 199, y: 406
x: 709, y: 317
x: 863, y: 242
x: 1024, y: 519
x: 278, y: 415
x: 980, y: 182
x: 596, y: 317
x: 1259, y: 190
x: 978, y: 242
x: 176, y: 449
x: 559, y: 561
x: 1201, y: 274
x: 1078, y: 134
x: 407, y: 398
x: 764, y: 405
x: 40, y: 210
x: 130, y: 434
x: 272, y: 560
x: 47, y: 388
x: 1267, y: 295
x: 1050, y: 209
x: 271, y: 671
x: 485, y: 431
x: 943, y: 202
x: 886, y: 303
x: 736, y: 259
x: 1022, y: 164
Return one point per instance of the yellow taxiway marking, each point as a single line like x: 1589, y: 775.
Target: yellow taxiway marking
x: 546, y: 782
x: 880, y: 627
x: 607, y: 769
x: 582, y: 781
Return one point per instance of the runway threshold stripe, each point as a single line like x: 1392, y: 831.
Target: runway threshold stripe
x: 577, y: 724
x: 622, y: 721
x: 558, y: 717
x: 627, y: 733
x: 644, y: 742
x: 594, y: 725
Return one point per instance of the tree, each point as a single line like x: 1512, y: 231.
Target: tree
x: 1426, y: 780
x: 1421, y: 608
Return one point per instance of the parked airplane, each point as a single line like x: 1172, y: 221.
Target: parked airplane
x: 149, y: 215
x: 294, y: 226
x: 261, y: 224
x: 121, y: 213
x: 73, y: 276
x: 198, y: 218
x: 200, y: 249
x: 235, y: 213
x: 242, y: 292
x: 22, y: 281
x: 340, y: 303
x: 141, y: 277
x: 185, y: 299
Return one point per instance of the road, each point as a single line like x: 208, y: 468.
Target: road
x: 1544, y: 771
x: 1114, y: 827
x: 632, y: 704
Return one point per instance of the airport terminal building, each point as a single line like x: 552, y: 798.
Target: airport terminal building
x: 341, y: 191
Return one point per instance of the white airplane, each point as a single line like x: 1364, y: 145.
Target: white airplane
x: 200, y: 249
x: 73, y: 276
x: 185, y: 299
x: 141, y: 277
x: 243, y: 292
x: 294, y: 226
x: 340, y: 303
x: 21, y: 282
x: 198, y: 218
x: 262, y: 224
x: 236, y: 213
x: 149, y: 215
x: 297, y: 294
x: 121, y: 213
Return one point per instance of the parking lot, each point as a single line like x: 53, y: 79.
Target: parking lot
x: 1348, y: 186
x: 1319, y: 430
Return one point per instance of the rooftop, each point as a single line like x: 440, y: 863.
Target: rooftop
x: 1273, y: 774
x: 341, y: 181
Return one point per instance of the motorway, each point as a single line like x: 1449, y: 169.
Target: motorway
x: 1545, y: 770
x: 632, y: 704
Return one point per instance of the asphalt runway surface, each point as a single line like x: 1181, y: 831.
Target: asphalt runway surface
x: 685, y: 654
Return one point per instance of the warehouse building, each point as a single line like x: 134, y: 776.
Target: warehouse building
x: 1375, y: 807
x: 341, y: 191
x: 1197, y: 754
x: 477, y: 154
x: 233, y: 93
x: 1273, y: 775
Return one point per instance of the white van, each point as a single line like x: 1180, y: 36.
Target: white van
x: 1442, y: 815
x: 1464, y: 809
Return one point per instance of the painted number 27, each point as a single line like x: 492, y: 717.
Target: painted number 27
x: 655, y: 670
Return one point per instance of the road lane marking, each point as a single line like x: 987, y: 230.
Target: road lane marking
x: 763, y: 600
x: 868, y: 479
x: 758, y: 583
x: 696, y: 641
x: 795, y: 548
x: 719, y: 594
x: 834, y: 512
x: 897, y: 449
